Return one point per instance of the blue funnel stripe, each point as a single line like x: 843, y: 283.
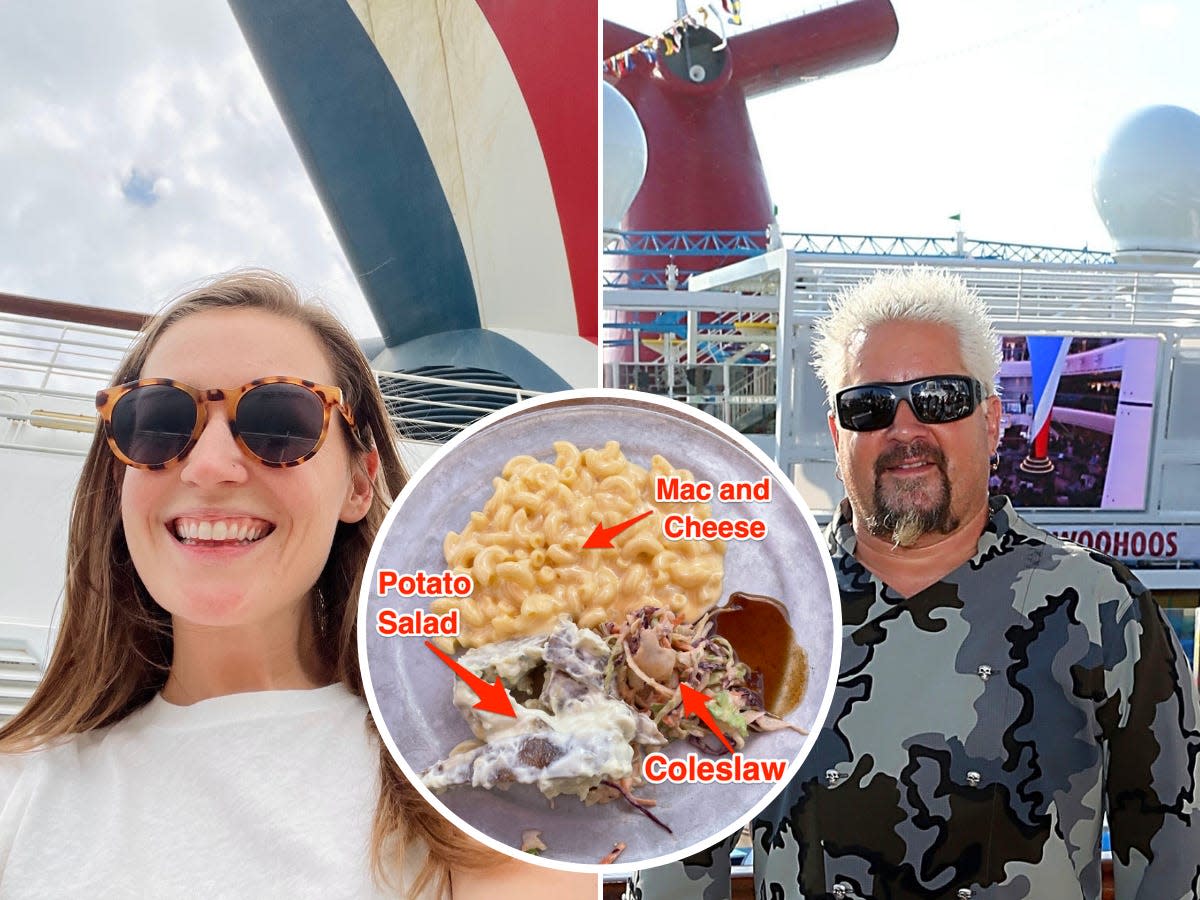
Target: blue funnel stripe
x: 368, y: 162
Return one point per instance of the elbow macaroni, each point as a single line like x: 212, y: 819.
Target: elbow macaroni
x: 525, y: 549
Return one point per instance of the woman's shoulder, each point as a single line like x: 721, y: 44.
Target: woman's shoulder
x: 13, y: 766
x: 52, y: 758
x: 24, y: 772
x: 60, y: 756
x: 145, y: 736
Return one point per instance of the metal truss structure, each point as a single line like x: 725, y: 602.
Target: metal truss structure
x: 627, y: 253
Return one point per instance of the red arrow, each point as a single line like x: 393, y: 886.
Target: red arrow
x: 695, y: 704
x: 601, y: 538
x: 492, y: 697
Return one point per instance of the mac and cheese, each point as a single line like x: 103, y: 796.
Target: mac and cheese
x: 525, y: 553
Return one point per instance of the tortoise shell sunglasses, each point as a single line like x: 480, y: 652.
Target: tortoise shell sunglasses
x: 281, y: 421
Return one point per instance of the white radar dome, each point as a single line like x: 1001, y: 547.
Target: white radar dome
x: 1146, y: 185
x: 624, y: 157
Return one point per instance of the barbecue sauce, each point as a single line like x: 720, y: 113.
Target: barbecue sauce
x: 757, y: 628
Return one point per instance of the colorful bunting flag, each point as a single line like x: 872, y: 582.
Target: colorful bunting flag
x: 671, y: 38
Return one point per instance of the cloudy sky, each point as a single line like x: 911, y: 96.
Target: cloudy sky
x: 141, y: 152
x: 995, y: 110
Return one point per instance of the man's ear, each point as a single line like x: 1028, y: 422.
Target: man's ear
x: 833, y: 431
x: 991, y: 411
x: 362, y: 487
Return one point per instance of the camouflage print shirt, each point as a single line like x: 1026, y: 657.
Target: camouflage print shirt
x: 980, y: 732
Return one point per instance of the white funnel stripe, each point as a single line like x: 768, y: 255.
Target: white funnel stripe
x: 464, y: 97
x: 1046, y: 402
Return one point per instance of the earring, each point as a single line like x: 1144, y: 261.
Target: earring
x: 321, y: 613
x: 837, y: 471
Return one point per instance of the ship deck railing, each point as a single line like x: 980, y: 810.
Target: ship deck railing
x: 663, y: 341
x: 51, y: 369
x: 640, y: 260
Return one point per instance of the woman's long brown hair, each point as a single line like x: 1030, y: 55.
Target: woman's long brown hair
x: 114, y: 646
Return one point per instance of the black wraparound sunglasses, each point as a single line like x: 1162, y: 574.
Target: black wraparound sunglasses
x: 935, y: 400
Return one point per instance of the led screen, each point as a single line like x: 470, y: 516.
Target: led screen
x: 1077, y: 417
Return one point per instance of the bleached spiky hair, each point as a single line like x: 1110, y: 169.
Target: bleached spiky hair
x: 911, y: 294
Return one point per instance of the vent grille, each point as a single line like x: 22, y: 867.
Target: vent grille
x: 21, y: 670
x: 434, y: 403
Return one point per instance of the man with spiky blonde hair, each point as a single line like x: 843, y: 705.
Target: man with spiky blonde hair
x: 901, y: 323
x: 1002, y: 692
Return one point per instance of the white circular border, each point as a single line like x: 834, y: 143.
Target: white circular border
x: 620, y: 396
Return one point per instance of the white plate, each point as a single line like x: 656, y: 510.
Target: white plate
x: 410, y: 689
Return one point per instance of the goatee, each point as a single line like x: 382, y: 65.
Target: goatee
x: 898, y: 514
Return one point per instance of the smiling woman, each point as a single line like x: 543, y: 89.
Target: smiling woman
x: 201, y: 723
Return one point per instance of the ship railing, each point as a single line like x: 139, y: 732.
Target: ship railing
x: 742, y: 395
x: 693, y: 251
x: 514, y: 394
x: 1109, y: 300
x: 1064, y: 296
x: 956, y: 247
x: 50, y: 371
x: 1045, y: 297
x: 411, y: 414
x: 685, y: 243
x: 38, y: 355
x: 684, y: 338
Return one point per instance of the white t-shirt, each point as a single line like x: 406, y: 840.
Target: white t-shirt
x: 268, y: 794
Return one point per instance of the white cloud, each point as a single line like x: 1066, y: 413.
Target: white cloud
x: 92, y: 93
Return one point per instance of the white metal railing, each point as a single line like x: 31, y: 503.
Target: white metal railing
x: 515, y: 393
x: 1021, y: 294
x: 37, y: 353
x: 1024, y: 298
x: 1038, y: 295
x: 50, y: 372
x: 742, y: 396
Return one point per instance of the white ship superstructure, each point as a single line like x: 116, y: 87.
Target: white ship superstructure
x: 737, y: 343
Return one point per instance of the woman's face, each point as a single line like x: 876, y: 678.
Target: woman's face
x: 285, y: 518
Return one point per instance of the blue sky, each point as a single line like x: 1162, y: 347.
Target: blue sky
x: 993, y: 110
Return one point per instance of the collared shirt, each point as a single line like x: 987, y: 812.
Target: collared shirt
x: 980, y: 732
